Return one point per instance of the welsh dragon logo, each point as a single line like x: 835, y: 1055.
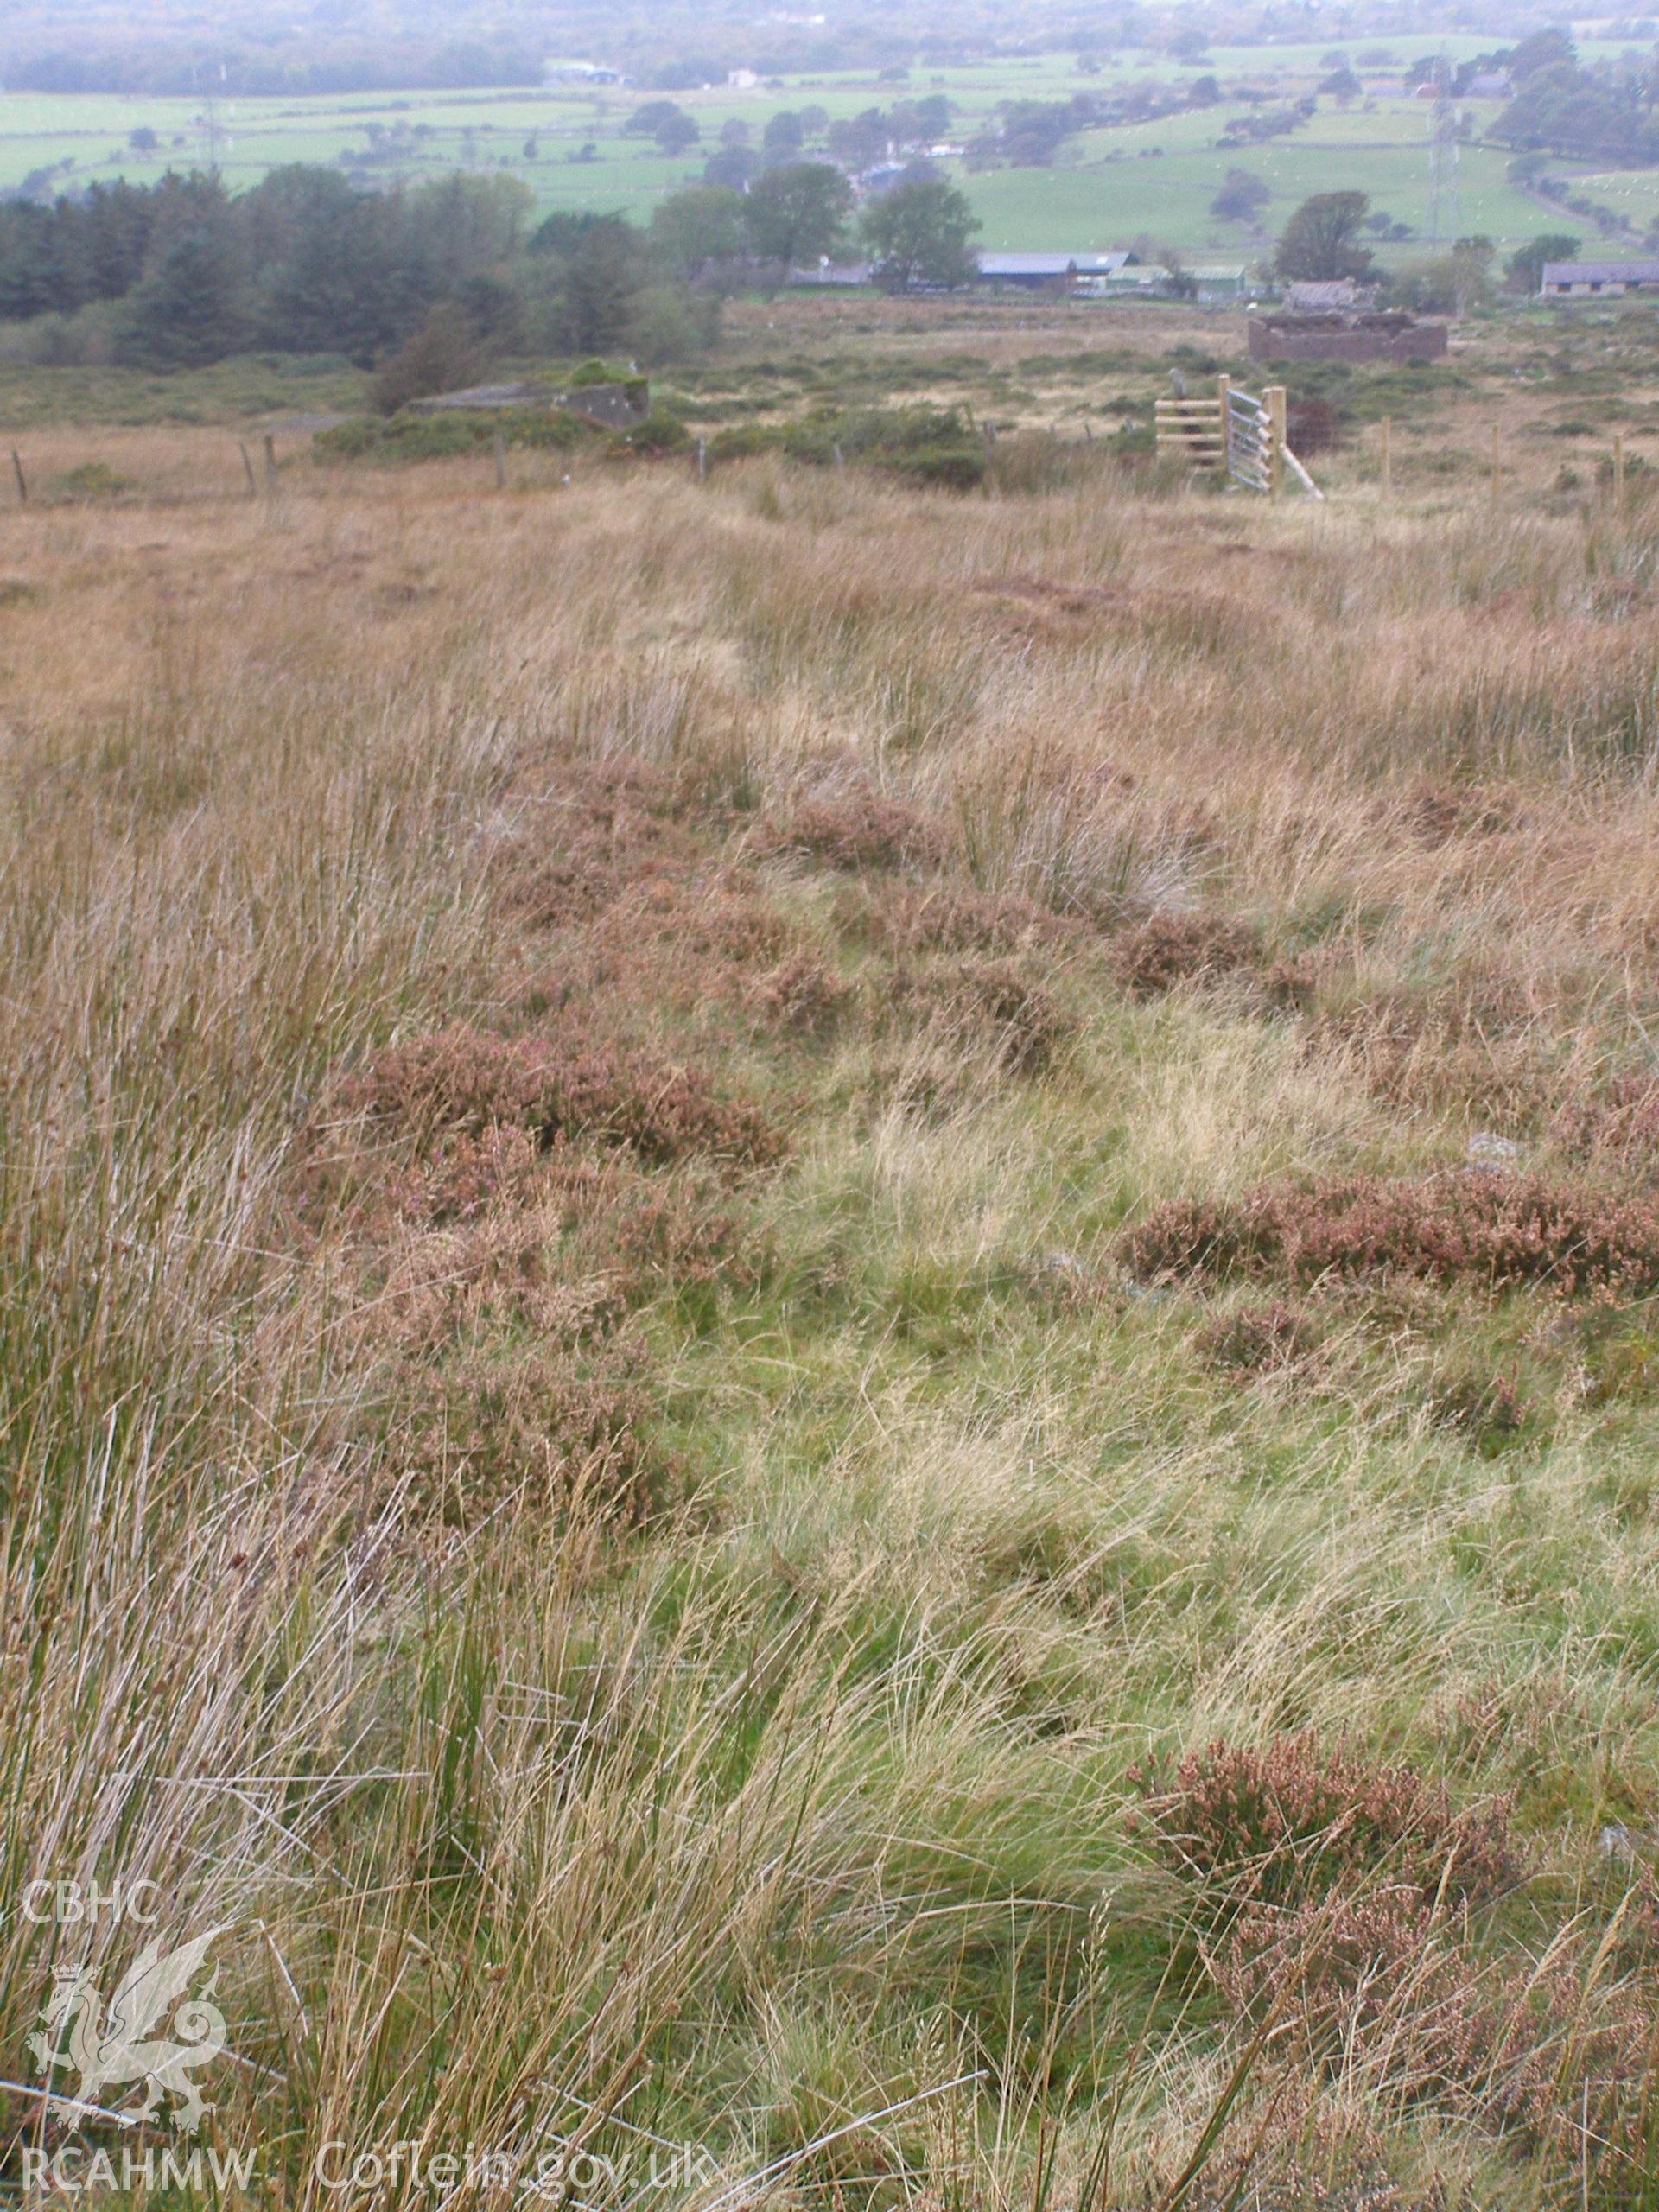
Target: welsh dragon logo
x: 106, y: 2045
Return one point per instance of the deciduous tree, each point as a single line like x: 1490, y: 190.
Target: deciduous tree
x: 919, y: 233
x: 797, y: 214
x: 1525, y: 269
x: 1320, y: 242
x: 704, y: 223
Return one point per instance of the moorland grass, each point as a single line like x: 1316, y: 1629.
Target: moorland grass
x: 589, y: 1471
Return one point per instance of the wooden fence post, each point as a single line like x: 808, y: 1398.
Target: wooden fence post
x: 498, y: 446
x: 247, y: 468
x: 1224, y: 389
x: 703, y: 460
x: 1275, y: 396
x: 271, y: 462
x: 23, y: 481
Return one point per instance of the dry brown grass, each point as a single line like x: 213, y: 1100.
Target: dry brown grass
x: 574, y: 1063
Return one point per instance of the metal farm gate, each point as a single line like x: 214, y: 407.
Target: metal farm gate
x: 1234, y: 431
x: 1248, y: 428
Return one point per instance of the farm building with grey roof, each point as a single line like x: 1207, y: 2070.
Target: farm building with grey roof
x: 1580, y: 280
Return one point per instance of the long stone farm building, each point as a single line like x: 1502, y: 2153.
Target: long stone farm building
x: 1382, y: 337
x: 1586, y: 280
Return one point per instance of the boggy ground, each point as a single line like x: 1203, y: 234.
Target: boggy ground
x: 828, y: 1326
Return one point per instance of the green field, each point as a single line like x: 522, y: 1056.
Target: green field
x: 567, y: 144
x: 1633, y: 193
x: 1158, y: 178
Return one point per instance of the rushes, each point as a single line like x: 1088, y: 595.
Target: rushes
x: 578, y: 1465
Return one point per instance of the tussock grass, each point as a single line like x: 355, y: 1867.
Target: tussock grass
x: 634, y: 1630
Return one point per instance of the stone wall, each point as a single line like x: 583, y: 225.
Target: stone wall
x: 1276, y: 338
x: 616, y: 406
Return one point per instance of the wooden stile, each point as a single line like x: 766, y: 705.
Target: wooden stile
x: 1235, y: 431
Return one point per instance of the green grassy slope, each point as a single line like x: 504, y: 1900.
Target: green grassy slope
x: 1091, y: 199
